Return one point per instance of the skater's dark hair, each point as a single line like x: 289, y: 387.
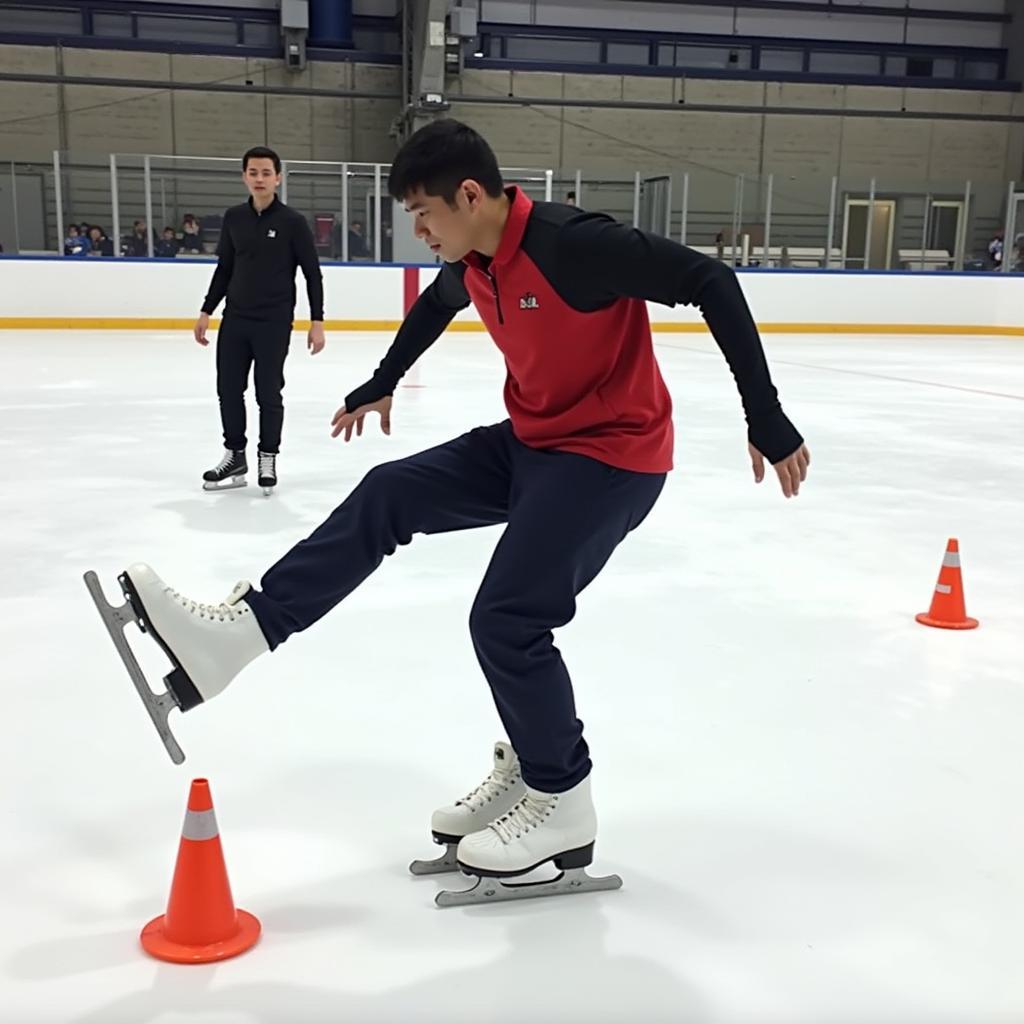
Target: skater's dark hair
x: 261, y: 153
x: 439, y: 158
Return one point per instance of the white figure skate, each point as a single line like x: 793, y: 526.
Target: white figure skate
x: 228, y: 474
x: 208, y: 644
x: 541, y: 828
x: 495, y: 796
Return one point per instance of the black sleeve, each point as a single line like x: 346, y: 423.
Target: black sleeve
x: 305, y: 255
x: 620, y: 261
x: 225, y: 267
x: 423, y: 325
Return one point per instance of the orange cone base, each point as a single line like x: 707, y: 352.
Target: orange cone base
x: 925, y: 619
x: 156, y: 944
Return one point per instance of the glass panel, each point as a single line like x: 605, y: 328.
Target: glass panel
x: 833, y: 63
x: 782, y: 60
x: 712, y: 57
x: 628, y: 53
x: 667, y: 55
x: 261, y: 33
x: 191, y: 30
x: 581, y: 51
x: 119, y: 25
x: 49, y: 21
x: 942, y: 230
x: 981, y: 69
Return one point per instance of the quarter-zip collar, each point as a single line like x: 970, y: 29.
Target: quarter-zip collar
x: 520, y: 205
x: 274, y: 203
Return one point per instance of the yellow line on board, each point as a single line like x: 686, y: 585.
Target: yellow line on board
x: 87, y: 323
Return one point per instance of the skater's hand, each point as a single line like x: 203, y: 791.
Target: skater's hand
x: 792, y: 471
x: 349, y: 421
x: 316, y: 339
x: 200, y: 329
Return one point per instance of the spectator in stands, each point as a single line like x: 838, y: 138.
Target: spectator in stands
x: 357, y: 247
x: 167, y: 247
x: 76, y: 244
x: 101, y: 245
x: 995, y: 251
x: 190, y: 234
x: 570, y: 198
x: 137, y: 244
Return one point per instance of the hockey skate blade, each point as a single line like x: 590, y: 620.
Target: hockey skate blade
x: 493, y: 890
x: 225, y: 485
x: 447, y: 862
x: 159, y: 706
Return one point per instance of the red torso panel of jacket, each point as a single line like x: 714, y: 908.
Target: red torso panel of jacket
x: 582, y: 375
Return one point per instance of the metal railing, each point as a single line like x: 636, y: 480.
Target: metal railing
x: 766, y: 221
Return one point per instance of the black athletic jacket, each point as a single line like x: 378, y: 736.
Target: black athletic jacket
x: 258, y: 254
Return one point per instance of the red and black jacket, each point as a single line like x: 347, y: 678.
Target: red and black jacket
x: 564, y: 300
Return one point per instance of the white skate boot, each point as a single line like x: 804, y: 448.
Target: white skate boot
x: 495, y: 796
x: 208, y: 644
x: 541, y: 828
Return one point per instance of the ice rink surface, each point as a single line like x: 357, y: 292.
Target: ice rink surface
x: 814, y: 802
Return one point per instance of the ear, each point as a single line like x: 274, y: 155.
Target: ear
x: 473, y: 192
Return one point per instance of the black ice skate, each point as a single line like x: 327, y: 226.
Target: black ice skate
x: 267, y: 472
x: 228, y: 474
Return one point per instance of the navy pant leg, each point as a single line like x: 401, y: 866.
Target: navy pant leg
x: 234, y: 360
x: 456, y: 486
x: 567, y: 514
x: 270, y: 343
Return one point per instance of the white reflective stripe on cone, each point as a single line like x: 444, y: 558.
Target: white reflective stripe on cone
x: 199, y: 825
x: 940, y: 588
x: 951, y: 560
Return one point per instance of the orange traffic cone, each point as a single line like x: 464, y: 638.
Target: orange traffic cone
x: 947, y: 610
x: 201, y: 923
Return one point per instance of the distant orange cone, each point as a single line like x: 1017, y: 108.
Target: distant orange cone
x: 201, y: 923
x: 947, y: 610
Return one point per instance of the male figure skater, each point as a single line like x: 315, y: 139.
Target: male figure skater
x: 261, y: 243
x: 578, y: 465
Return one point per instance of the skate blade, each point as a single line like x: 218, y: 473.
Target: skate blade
x: 268, y: 491
x: 159, y: 706
x: 225, y: 485
x: 494, y: 890
x: 440, y: 865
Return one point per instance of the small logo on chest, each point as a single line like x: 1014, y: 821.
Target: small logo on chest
x: 271, y: 233
x: 529, y: 301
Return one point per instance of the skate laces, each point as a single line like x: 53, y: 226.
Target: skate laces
x: 524, y: 817
x: 228, y: 460
x: 493, y: 786
x: 214, y: 612
x: 266, y: 461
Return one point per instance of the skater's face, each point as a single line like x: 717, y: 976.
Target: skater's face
x: 260, y: 177
x: 450, y: 230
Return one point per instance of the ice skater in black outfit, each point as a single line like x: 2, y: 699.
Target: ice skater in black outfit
x: 261, y: 244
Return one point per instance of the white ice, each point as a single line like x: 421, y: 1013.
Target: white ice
x: 815, y: 803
